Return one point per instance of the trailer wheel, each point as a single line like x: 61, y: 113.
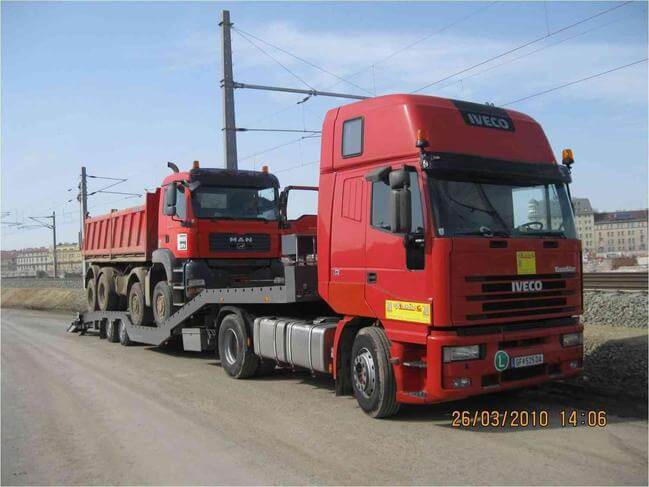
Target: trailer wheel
x: 123, y: 335
x: 106, y: 295
x: 91, y: 295
x: 112, y: 331
x: 237, y: 356
x: 140, y: 313
x: 372, y: 374
x: 162, y: 302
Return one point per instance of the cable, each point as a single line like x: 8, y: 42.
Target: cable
x: 509, y: 61
x: 522, y: 46
x: 274, y: 59
x: 242, y: 129
x: 270, y: 149
x: 244, y: 33
x: 575, y: 82
x: 422, y: 39
x: 296, y: 166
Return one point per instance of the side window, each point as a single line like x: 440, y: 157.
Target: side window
x: 381, y: 205
x: 352, y: 137
x: 181, y: 203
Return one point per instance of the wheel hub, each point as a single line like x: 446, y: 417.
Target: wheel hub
x: 160, y: 305
x: 231, y: 346
x: 135, y: 305
x: 364, y: 373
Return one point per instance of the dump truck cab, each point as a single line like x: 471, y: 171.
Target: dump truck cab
x: 450, y: 224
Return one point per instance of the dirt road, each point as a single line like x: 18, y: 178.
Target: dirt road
x: 80, y: 410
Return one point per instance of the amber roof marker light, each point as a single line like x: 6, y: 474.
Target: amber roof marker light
x: 567, y: 158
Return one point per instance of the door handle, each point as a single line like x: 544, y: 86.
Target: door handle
x: 371, y: 277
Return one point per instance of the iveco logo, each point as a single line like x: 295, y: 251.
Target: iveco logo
x: 526, y: 286
x: 490, y: 121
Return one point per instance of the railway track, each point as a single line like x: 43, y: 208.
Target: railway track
x: 616, y: 280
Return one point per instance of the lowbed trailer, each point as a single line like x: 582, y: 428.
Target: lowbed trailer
x: 443, y: 262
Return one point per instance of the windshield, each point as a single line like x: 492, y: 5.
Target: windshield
x: 509, y: 210
x: 235, y: 203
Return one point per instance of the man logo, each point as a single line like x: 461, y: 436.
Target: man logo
x: 526, y: 286
x: 240, y: 243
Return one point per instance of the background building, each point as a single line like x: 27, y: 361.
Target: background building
x: 34, y: 261
x: 40, y: 261
x: 69, y: 259
x: 613, y: 233
x: 8, y: 262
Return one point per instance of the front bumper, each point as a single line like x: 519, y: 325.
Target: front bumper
x: 434, y: 382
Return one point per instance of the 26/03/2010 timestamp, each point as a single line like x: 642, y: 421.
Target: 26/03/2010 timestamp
x: 528, y: 419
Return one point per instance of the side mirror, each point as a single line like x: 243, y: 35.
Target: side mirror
x: 399, y: 179
x: 170, y: 200
x: 400, y: 210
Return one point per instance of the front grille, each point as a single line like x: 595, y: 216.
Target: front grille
x: 239, y: 242
x: 521, y: 295
x: 511, y: 375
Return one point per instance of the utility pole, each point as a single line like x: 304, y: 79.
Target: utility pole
x: 52, y: 227
x: 83, y: 201
x: 227, y: 85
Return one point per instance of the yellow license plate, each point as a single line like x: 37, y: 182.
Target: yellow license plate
x: 526, y: 262
x: 407, y: 311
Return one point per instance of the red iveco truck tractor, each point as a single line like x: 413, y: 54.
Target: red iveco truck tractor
x: 443, y: 261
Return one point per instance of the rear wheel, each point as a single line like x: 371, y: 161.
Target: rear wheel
x: 91, y: 295
x: 123, y: 335
x: 237, y: 357
x: 107, y: 297
x: 112, y: 331
x: 372, y: 374
x: 162, y: 302
x: 139, y: 311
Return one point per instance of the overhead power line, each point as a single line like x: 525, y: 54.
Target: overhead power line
x: 574, y: 82
x: 542, y: 48
x: 301, y: 80
x: 522, y: 46
x: 242, y: 129
x: 270, y: 149
x: 420, y: 40
x: 305, y: 61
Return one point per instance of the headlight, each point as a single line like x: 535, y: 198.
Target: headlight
x: 455, y: 354
x: 572, y: 339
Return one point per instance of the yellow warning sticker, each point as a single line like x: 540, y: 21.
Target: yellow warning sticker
x: 407, y: 311
x: 526, y: 262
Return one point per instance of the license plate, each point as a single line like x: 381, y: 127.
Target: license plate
x: 527, y: 360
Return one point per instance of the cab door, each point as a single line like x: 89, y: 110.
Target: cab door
x: 395, y: 285
x: 173, y: 227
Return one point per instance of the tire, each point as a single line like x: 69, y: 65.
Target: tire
x: 112, y: 331
x: 107, y: 297
x: 91, y: 295
x: 123, y: 335
x: 372, y: 375
x: 137, y: 308
x: 237, y: 357
x: 162, y: 302
x: 102, y: 329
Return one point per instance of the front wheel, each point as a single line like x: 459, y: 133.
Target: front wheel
x: 372, y: 374
x: 237, y: 358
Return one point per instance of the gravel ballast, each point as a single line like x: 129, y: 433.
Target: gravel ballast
x: 615, y: 308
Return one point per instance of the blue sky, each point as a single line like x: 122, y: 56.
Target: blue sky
x: 125, y: 87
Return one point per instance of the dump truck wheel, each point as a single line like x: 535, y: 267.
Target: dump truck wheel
x: 106, y: 296
x: 123, y: 335
x: 237, y: 357
x: 112, y: 331
x: 162, y: 302
x: 91, y: 295
x: 137, y: 308
x: 372, y: 374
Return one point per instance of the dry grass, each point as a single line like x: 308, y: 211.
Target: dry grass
x: 43, y: 299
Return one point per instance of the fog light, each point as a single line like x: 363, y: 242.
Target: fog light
x: 455, y: 354
x: 574, y: 364
x: 461, y: 382
x: 572, y: 339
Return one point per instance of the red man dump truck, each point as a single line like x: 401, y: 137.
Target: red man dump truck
x: 443, y: 262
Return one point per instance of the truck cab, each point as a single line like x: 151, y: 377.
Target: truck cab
x: 450, y: 224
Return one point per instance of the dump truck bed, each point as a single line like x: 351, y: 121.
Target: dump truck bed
x: 130, y: 233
